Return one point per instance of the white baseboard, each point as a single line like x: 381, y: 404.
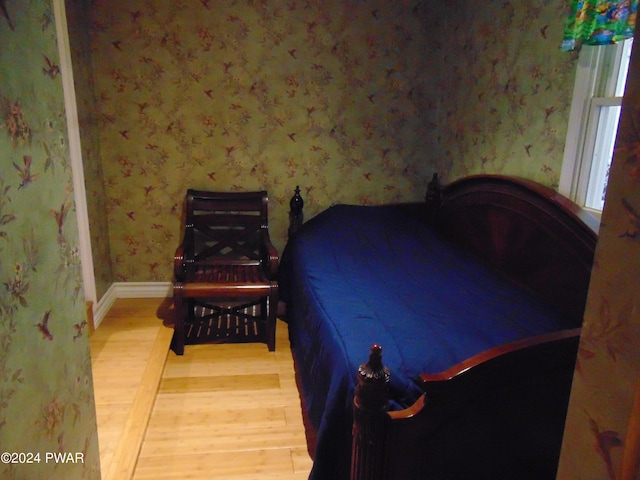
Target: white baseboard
x: 129, y: 290
x: 143, y: 289
x: 102, y: 306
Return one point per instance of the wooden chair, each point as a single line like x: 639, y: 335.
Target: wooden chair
x: 225, y: 269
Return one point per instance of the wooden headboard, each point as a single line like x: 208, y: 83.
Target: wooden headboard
x: 532, y: 234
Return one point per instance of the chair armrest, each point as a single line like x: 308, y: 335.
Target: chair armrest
x: 269, y: 255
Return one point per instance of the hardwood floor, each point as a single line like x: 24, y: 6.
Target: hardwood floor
x: 228, y: 411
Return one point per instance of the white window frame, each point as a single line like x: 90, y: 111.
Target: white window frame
x: 596, y: 88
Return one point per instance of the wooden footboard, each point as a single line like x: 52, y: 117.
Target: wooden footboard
x: 499, y: 414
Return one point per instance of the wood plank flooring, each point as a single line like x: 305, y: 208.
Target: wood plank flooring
x: 128, y: 353
x: 228, y: 411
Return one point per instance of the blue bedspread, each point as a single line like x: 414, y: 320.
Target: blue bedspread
x: 354, y: 276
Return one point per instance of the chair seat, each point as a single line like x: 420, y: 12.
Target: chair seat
x: 251, y: 274
x: 226, y: 280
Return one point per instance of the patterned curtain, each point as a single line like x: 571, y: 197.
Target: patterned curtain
x: 599, y: 22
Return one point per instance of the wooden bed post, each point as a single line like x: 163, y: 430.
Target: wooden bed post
x: 370, y: 419
x: 433, y: 198
x: 296, y: 216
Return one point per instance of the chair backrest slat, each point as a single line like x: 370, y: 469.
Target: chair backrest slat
x: 227, y: 225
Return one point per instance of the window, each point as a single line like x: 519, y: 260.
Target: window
x: 593, y: 122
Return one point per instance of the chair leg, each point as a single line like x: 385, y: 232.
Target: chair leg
x: 272, y: 310
x: 177, y: 342
x: 176, y: 345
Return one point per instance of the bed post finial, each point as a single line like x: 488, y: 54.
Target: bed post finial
x: 296, y: 216
x: 370, y: 418
x: 433, y: 198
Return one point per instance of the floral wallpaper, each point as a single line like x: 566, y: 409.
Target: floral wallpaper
x: 46, y: 390
x: 608, y: 365
x: 246, y: 95
x: 503, y: 89
x: 78, y: 11
x: 354, y: 101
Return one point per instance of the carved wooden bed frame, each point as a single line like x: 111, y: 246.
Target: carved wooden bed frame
x: 541, y: 241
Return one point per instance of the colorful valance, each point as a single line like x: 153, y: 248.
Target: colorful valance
x: 599, y: 22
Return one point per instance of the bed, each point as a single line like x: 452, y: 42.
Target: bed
x: 469, y: 305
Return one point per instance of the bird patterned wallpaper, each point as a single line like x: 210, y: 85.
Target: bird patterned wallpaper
x: 354, y: 101
x: 249, y: 95
x: 78, y: 12
x: 608, y: 366
x: 46, y: 389
x: 503, y: 89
